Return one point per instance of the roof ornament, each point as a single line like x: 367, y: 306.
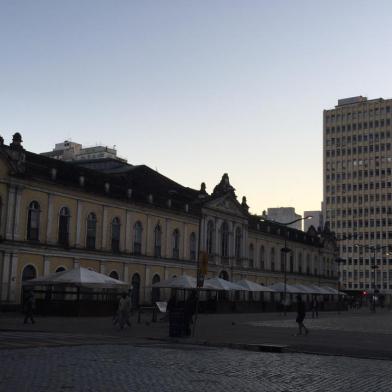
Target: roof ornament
x: 224, y: 187
x: 17, y: 154
x: 202, y: 191
x: 244, y: 204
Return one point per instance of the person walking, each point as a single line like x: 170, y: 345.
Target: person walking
x: 123, y: 311
x: 189, y: 311
x: 301, y: 313
x: 29, y: 307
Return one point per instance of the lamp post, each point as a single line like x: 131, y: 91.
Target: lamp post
x: 286, y: 250
x: 373, y: 266
x: 339, y: 260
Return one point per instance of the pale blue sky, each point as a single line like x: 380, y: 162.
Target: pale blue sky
x: 194, y: 88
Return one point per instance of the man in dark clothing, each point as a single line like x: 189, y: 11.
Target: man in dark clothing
x: 190, y: 308
x: 29, y: 307
x: 315, y: 307
x: 301, y: 312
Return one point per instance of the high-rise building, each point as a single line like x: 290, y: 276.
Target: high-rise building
x: 358, y: 190
x: 285, y: 215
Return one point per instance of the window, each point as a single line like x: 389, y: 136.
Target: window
x: 272, y: 259
x: 137, y: 240
x: 33, y: 222
x: 116, y: 226
x: 176, y: 244
x: 251, y: 256
x: 91, y: 231
x: 224, y: 240
x: 262, y: 258
x: 210, y: 238
x: 192, y: 246
x: 157, y: 241
x: 114, y: 275
x: 63, y: 234
x: 238, y: 243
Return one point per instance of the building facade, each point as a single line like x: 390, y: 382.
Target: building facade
x: 139, y: 226
x: 358, y: 189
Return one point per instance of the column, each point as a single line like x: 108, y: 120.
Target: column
x: 46, y: 266
x: 128, y: 238
x: 217, y: 241
x: 10, y: 212
x: 49, y: 220
x: 18, y: 211
x: 79, y: 213
x: 5, y: 283
x: 168, y: 240
x: 102, y: 267
x: 147, y: 295
x: 76, y: 263
x: 104, y: 227
x: 185, y: 248
x: 13, y: 280
x: 125, y: 276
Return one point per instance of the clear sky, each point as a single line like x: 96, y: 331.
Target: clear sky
x: 194, y: 88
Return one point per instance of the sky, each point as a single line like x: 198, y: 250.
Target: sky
x: 194, y: 89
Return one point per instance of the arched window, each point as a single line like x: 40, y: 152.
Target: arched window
x: 91, y: 231
x: 192, y: 246
x: 224, y: 275
x: 135, y: 290
x: 114, y: 275
x: 157, y: 241
x: 251, y: 256
x: 224, y: 240
x: 176, y: 244
x: 33, y: 222
x: 137, y: 240
x: 300, y: 262
x: 237, y: 243
x: 210, y: 238
x: 64, y: 218
x: 60, y: 269
x: 116, y: 226
x: 272, y: 259
x: 156, y: 292
x: 262, y: 258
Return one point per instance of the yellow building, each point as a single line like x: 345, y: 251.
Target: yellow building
x: 134, y: 224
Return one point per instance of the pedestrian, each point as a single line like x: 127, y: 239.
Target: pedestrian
x: 314, y: 306
x: 29, y: 307
x: 301, y: 312
x: 123, y: 311
x: 189, y: 310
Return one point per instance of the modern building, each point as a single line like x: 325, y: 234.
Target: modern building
x: 316, y: 221
x: 285, y: 215
x: 357, y: 190
x: 71, y: 151
x: 141, y: 227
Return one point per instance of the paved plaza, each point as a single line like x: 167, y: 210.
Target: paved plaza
x: 185, y: 368
x: 351, y: 351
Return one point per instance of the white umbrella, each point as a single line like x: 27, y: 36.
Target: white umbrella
x: 305, y: 289
x: 319, y: 290
x: 180, y: 282
x: 252, y: 286
x: 221, y: 284
x: 79, y: 277
x: 279, y: 287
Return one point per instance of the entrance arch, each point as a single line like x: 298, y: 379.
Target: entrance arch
x: 29, y: 272
x: 156, y: 292
x: 224, y: 275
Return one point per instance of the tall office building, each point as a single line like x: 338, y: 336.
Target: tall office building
x: 357, y: 190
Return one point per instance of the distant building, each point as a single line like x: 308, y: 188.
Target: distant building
x: 285, y: 215
x: 71, y: 151
x: 316, y: 221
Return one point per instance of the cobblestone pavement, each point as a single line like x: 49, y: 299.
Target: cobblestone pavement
x: 185, y: 368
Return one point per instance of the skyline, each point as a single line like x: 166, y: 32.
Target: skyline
x: 219, y: 85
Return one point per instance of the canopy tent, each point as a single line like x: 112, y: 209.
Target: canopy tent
x: 305, y: 289
x: 221, y: 284
x: 279, y: 287
x: 78, y: 277
x: 331, y: 290
x: 178, y: 282
x: 319, y: 290
x: 252, y: 286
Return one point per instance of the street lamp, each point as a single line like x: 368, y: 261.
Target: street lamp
x: 286, y: 250
x: 373, y: 266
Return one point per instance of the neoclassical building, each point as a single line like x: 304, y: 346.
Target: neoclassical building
x: 134, y: 224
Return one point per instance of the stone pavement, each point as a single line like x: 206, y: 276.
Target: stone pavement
x: 161, y: 368
x: 358, y: 334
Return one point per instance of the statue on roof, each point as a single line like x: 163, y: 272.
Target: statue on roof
x: 17, y: 154
x: 224, y: 187
x: 244, y: 204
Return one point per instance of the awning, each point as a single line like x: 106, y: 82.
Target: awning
x: 221, y: 284
x: 252, y: 286
x: 78, y: 277
x: 279, y: 287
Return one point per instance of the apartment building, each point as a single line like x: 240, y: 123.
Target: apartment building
x: 357, y: 190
